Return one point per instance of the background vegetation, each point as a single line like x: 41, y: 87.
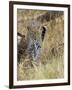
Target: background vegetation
x: 50, y: 64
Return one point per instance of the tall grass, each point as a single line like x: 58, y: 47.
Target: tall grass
x: 51, y: 70
x: 50, y: 64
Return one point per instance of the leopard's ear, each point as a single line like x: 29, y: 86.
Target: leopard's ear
x: 20, y: 35
x: 43, y: 32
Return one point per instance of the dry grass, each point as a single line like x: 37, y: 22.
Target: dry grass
x: 50, y: 64
x: 48, y: 71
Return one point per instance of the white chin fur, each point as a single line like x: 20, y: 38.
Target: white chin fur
x: 18, y: 39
